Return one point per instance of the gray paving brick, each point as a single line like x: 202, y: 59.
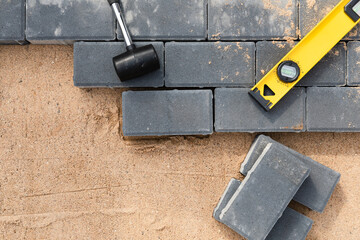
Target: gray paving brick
x: 330, y: 71
x: 256, y: 205
x: 333, y: 109
x: 249, y: 19
x: 166, y: 19
x: 312, y: 12
x: 93, y: 66
x: 61, y: 21
x: 237, y: 111
x: 353, y: 62
x: 174, y: 112
x: 231, y: 188
x: 209, y: 64
x: 316, y: 190
x: 12, y: 22
x: 291, y: 225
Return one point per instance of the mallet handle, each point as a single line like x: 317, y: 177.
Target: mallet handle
x: 125, y: 32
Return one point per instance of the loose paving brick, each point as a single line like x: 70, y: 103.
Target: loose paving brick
x: 54, y: 22
x: 93, y: 66
x: 312, y: 12
x: 333, y: 109
x: 291, y: 225
x: 12, y: 22
x: 330, y: 71
x: 166, y: 19
x: 174, y: 112
x: 260, y: 204
x: 231, y: 188
x: 353, y: 61
x: 209, y: 64
x: 316, y: 190
x: 237, y: 111
x: 255, y: 20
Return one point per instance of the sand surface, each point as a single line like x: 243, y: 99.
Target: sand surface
x: 67, y: 173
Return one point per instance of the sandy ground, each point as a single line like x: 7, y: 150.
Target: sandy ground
x: 67, y: 173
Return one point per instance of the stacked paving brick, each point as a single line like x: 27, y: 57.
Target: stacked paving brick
x: 256, y: 210
x: 222, y: 46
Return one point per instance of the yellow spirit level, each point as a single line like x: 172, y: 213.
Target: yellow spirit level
x: 306, y: 54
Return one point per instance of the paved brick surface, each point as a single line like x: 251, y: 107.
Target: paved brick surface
x: 67, y: 21
x: 330, y: 71
x: 353, y: 63
x: 268, y: 54
x: 291, y: 225
x: 316, y: 190
x: 250, y: 19
x: 67, y: 173
x: 333, y: 109
x: 208, y: 64
x: 312, y: 12
x: 12, y: 22
x: 93, y: 66
x: 156, y: 113
x: 166, y: 19
x: 256, y: 205
x: 237, y: 111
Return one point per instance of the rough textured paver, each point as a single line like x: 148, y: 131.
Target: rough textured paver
x: 311, y: 12
x: 237, y: 111
x: 256, y: 205
x: 231, y: 188
x: 353, y: 63
x: 330, y: 71
x: 166, y: 19
x: 210, y: 64
x: 251, y: 19
x: 53, y: 22
x: 156, y: 113
x: 93, y: 66
x: 316, y: 189
x: 12, y: 22
x: 332, y: 109
x: 291, y: 225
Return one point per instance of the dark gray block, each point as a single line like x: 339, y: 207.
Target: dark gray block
x: 209, y: 64
x: 231, y: 188
x: 166, y: 19
x: 160, y: 113
x: 61, y: 21
x: 312, y: 12
x: 316, y: 189
x: 237, y: 111
x: 249, y: 19
x: 353, y: 64
x: 291, y: 225
x: 93, y: 66
x: 257, y: 205
x: 330, y: 71
x: 12, y: 22
x: 333, y: 109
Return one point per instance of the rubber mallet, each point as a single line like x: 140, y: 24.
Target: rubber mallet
x: 135, y: 62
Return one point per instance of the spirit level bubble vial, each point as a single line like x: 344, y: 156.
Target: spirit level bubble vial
x: 306, y: 54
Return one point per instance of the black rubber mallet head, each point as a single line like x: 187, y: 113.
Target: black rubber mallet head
x: 135, y: 62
